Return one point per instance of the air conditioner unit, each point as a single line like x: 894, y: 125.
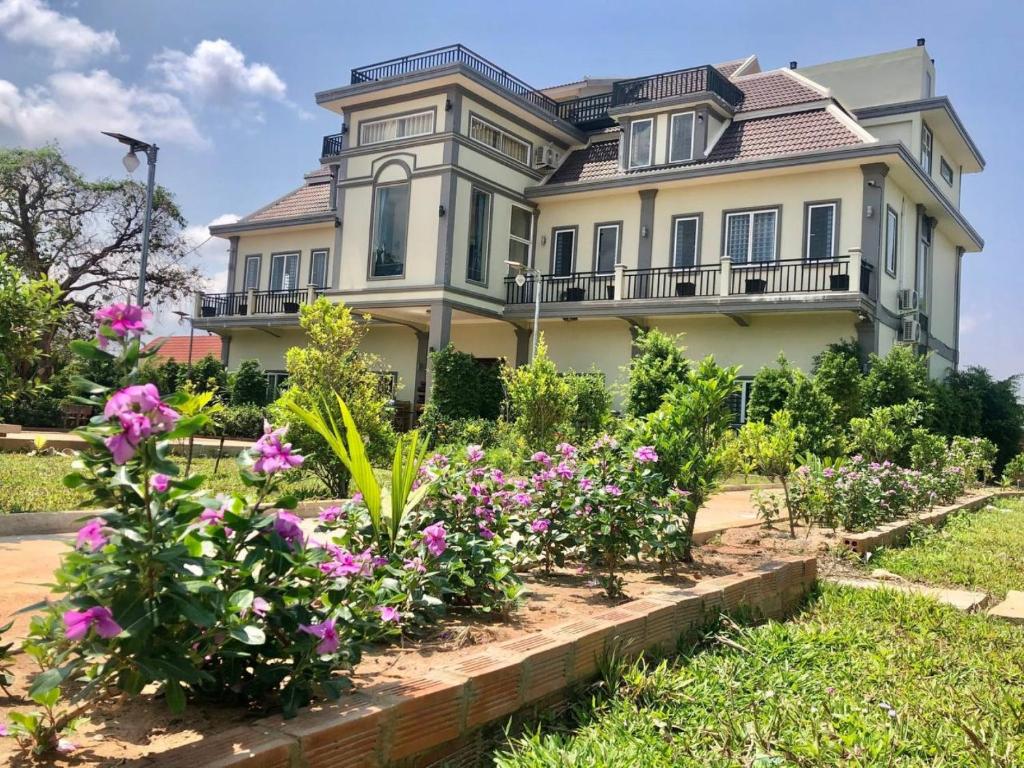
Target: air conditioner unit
x: 910, y: 331
x: 908, y: 300
x: 546, y: 156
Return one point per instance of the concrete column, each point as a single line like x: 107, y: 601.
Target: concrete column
x: 855, y: 262
x: 197, y: 304
x: 422, y: 364
x: 725, y: 277
x: 232, y: 262
x: 522, y: 346
x: 440, y: 333
x: 250, y: 302
x: 310, y: 294
x: 620, y: 281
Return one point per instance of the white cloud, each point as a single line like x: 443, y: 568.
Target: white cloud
x: 69, y: 41
x: 73, y: 107
x: 216, y: 72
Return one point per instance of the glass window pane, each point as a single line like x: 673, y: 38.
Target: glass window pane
x: 318, y: 270
x: 521, y: 219
x: 819, y: 231
x: 682, y: 138
x: 607, y: 248
x: 252, y: 273
x: 738, y: 232
x: 276, y: 273
x: 391, y: 219
x: 685, y: 248
x: 479, y: 224
x: 891, y: 224
x: 763, y: 240
x: 564, y: 244
x: 518, y: 251
x: 640, y: 143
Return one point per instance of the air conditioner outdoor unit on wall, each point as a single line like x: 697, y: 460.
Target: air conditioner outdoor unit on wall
x: 910, y: 331
x: 545, y: 156
x: 908, y: 300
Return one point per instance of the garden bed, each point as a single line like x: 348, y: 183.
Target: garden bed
x: 129, y: 730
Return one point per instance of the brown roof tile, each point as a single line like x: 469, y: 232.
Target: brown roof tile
x: 728, y: 67
x: 304, y: 201
x: 776, y: 88
x: 176, y: 347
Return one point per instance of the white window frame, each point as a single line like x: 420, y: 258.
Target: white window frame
x: 503, y: 134
x: 650, y: 146
x: 750, y: 236
x: 284, y: 256
x: 257, y: 259
x: 671, y: 136
x: 398, y: 121
x: 528, y: 240
x: 313, y: 254
x: 892, y: 226
x: 554, y: 252
x: 832, y: 234
x: 597, y: 244
x: 930, y: 144
x: 675, y: 241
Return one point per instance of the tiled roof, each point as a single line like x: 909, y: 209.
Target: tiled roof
x: 761, y: 137
x: 776, y: 88
x: 728, y: 67
x: 310, y: 199
x: 176, y: 347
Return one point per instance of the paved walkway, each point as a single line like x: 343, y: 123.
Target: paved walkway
x: 56, y: 438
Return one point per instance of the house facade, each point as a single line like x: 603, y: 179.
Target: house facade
x: 756, y: 211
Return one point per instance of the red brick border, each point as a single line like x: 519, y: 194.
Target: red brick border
x: 420, y: 719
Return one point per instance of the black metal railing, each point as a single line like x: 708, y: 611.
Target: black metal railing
x: 237, y: 303
x: 223, y: 304
x: 578, y: 286
x: 790, y: 276
x: 453, y: 54
x: 669, y: 282
x: 587, y: 111
x: 332, y: 145
x: 865, y: 278
x: 678, y: 83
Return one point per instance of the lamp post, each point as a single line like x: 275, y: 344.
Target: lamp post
x: 131, y: 162
x: 191, y: 334
x: 522, y: 271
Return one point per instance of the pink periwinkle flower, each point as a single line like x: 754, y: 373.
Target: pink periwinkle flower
x: 485, y: 532
x: 498, y: 477
x: 327, y: 634
x: 91, y: 536
x: 645, y: 454
x: 568, y: 450
x: 586, y: 484
x: 78, y: 623
x: 459, y: 498
x: 564, y: 471
x: 160, y: 483
x: 523, y: 499
x: 613, y: 490
x: 415, y: 564
x: 140, y: 413
x: 606, y: 441
x: 3, y: 730
x: 540, y: 525
x: 484, y: 513
x: 541, y: 458
x: 389, y: 614
x: 330, y: 514
x: 434, y: 537
x: 123, y: 319
x: 260, y: 606
x: 66, y: 746
x: 474, y: 454
x: 274, y: 456
x: 289, y: 527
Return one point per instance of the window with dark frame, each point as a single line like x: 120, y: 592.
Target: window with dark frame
x: 738, y: 401
x: 276, y: 382
x: 685, y: 234
x: 318, y: 268
x: 564, y: 252
x: 500, y: 140
x: 821, y: 219
x: 606, y: 248
x: 641, y: 143
x: 479, y: 230
x: 390, y: 224
x: 520, y: 234
x: 926, y: 147
x: 750, y: 236
x: 891, y: 240
x: 946, y: 171
x: 284, y: 271
x: 251, y: 279
x: 681, y: 137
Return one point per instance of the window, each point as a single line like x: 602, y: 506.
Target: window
x: 390, y: 221
x: 821, y: 231
x: 750, y: 236
x: 391, y: 128
x: 924, y: 247
x: 276, y: 381
x: 497, y: 139
x: 641, y: 142
x: 926, y: 147
x: 318, y: 268
x: 945, y: 171
x: 563, y: 252
x: 284, y: 271
x: 680, y: 146
x: 606, y: 248
x: 738, y: 401
x: 685, y: 236
x: 520, y: 232
x: 479, y: 235
x: 251, y: 279
x: 891, y: 239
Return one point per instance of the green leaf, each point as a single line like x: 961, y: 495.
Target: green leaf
x: 249, y: 634
x: 89, y: 350
x: 241, y: 600
x: 45, y: 682
x: 196, y: 613
x: 175, y: 696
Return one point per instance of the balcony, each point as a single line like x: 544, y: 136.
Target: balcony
x: 785, y: 277
x: 250, y: 303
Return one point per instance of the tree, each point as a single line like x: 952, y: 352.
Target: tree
x: 87, y: 235
x: 207, y: 374
x: 540, y: 401
x: 900, y: 376
x: 772, y: 448
x: 464, y: 387
x: 249, y: 384
x: 813, y: 410
x: 837, y: 373
x: 770, y: 389
x: 659, y: 365
x: 327, y: 367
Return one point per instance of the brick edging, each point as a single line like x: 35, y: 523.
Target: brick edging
x: 890, y: 534
x: 437, y: 712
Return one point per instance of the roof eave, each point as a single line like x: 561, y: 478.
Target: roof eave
x: 240, y: 227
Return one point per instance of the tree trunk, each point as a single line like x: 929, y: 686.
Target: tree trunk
x: 789, y: 509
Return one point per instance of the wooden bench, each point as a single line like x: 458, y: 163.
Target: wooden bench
x: 6, y: 429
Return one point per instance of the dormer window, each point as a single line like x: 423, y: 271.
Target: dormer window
x: 680, y: 147
x: 641, y: 143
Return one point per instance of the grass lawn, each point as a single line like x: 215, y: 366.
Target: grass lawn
x: 862, y: 678
x: 981, y: 550
x: 33, y: 483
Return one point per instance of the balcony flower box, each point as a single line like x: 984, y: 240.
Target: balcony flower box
x: 686, y: 288
x: 756, y: 285
x: 839, y: 282
x: 291, y: 307
x: 208, y: 311
x: 573, y: 294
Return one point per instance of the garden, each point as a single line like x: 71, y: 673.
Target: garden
x: 195, y: 600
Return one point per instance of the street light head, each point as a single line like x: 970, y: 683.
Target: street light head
x: 514, y: 264
x: 131, y: 162
x: 520, y: 279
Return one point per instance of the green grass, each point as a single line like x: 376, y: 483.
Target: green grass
x: 33, y: 483
x: 862, y: 678
x: 980, y: 550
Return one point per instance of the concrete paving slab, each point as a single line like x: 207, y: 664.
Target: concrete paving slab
x: 1011, y: 609
x: 961, y: 599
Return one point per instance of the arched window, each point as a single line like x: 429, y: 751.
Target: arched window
x: 390, y: 230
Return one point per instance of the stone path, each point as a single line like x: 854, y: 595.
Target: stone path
x: 1011, y: 609
x: 961, y: 599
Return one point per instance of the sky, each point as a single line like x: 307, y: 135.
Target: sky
x: 226, y: 87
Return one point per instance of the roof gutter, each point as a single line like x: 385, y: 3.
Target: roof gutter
x: 242, y: 226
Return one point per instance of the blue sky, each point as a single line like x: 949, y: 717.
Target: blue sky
x: 226, y: 89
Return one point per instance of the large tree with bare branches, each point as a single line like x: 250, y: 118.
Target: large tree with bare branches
x: 87, y: 235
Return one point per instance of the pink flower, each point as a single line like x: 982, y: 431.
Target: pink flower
x: 474, y: 454
x: 498, y: 476
x: 3, y: 730
x: 289, y: 527
x: 415, y: 564
x: 139, y: 398
x: 212, y: 516
x: 485, y: 532
x: 66, y: 746
x: 613, y: 490
x: 91, y: 535
x: 522, y: 498
x: 273, y: 455
x: 389, y: 614
x: 357, y: 497
x: 541, y: 458
x: 567, y: 450
x: 645, y: 454
x: 564, y: 471
x: 540, y: 525
x: 484, y: 514
x: 78, y: 623
x: 434, y: 537
x: 160, y: 483
x: 140, y: 413
x: 123, y: 319
x: 330, y: 514
x: 346, y: 563
x: 586, y: 484
x: 260, y: 606
x: 327, y: 634
x: 459, y: 498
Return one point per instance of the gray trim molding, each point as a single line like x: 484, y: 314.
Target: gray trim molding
x: 232, y: 261
x: 837, y: 205
x: 241, y: 226
x: 618, y: 242
x: 923, y: 105
x: 646, y: 244
x: 575, y: 229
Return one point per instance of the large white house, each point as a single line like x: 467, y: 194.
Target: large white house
x: 757, y: 211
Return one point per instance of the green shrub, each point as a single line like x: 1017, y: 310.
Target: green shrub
x: 34, y: 408
x: 772, y: 450
x: 249, y: 384
x: 814, y: 411
x: 771, y: 389
x: 838, y: 373
x: 208, y: 374
x: 540, y: 401
x: 657, y: 367
x: 900, y: 376
x: 457, y: 432
x: 241, y: 422
x: 463, y: 387
x: 886, y: 433
x: 591, y: 403
x: 1013, y: 471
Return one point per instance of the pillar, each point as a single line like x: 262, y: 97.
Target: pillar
x: 439, y: 335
